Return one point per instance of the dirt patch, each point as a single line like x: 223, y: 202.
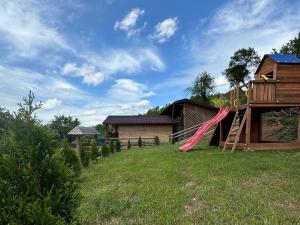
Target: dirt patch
x: 287, y: 205
x: 193, y: 206
x: 190, y: 184
x: 265, y: 180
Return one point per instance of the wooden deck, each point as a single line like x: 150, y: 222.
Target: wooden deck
x: 272, y: 92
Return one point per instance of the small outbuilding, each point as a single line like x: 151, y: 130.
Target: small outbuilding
x: 131, y: 128
x: 188, y: 113
x: 79, y: 131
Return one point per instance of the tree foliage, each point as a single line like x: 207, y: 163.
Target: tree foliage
x: 112, y: 147
x: 156, y: 140
x: 292, y: 47
x: 101, y: 128
x: 202, y: 87
x: 71, y: 158
x: 105, y: 151
x: 118, y: 146
x: 85, y: 156
x: 157, y: 110
x: 241, y: 65
x: 61, y: 125
x: 140, y: 142
x: 5, y: 118
x: 36, y: 185
x: 94, y: 150
x: 128, y: 144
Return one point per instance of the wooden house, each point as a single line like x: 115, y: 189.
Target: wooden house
x: 276, y: 87
x: 188, y: 113
x: 131, y: 128
x: 179, y: 115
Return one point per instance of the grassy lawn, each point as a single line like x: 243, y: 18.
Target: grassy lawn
x: 161, y: 185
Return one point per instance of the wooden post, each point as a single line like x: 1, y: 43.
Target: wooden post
x: 248, y: 126
x: 77, y: 144
x: 237, y: 97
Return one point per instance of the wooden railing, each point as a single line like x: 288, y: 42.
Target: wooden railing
x: 147, y: 141
x: 272, y: 91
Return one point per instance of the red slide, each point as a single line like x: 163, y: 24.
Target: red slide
x: 203, y: 129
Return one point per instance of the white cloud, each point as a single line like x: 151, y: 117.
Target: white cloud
x: 165, y: 30
x: 242, y: 15
x: 61, y: 97
x: 23, y: 27
x: 221, y: 81
x: 129, y: 61
x: 262, y: 24
x: 114, y: 61
x: 51, y: 103
x: 128, y: 24
x: 16, y: 82
x: 89, y: 73
x: 126, y: 90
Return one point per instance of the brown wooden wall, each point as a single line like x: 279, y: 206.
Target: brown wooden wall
x: 193, y: 115
x: 263, y: 92
x: 145, y: 131
x: 267, y: 67
x: 275, y: 92
x: 288, y: 72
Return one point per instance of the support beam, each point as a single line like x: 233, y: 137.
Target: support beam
x: 237, y: 138
x: 77, y: 143
x: 248, y: 126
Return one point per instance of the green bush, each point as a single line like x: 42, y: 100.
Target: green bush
x: 128, y: 145
x: 112, y: 147
x: 156, y: 140
x: 94, y: 150
x: 105, y: 151
x: 71, y: 158
x: 118, y: 146
x: 36, y: 185
x: 140, y: 142
x: 85, y: 156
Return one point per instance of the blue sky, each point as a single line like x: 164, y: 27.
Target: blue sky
x: 94, y: 58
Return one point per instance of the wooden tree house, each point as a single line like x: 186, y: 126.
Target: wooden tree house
x: 276, y: 86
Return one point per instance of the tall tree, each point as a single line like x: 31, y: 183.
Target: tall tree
x: 62, y: 124
x: 241, y: 65
x: 292, y: 47
x: 202, y: 87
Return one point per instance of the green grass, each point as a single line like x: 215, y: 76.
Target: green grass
x: 161, y: 185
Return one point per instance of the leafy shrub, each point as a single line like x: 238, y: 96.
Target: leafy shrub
x: 85, y: 156
x: 128, y: 145
x: 71, y: 158
x: 36, y: 185
x: 94, y: 150
x: 156, y: 140
x: 118, y: 146
x: 112, y: 147
x: 105, y: 150
x: 140, y: 142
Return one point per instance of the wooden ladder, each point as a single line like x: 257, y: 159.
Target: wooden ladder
x: 235, y: 131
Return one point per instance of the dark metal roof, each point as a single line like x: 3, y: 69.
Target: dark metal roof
x: 284, y: 58
x: 83, y: 130
x: 138, y: 120
x: 185, y: 100
x: 280, y: 58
